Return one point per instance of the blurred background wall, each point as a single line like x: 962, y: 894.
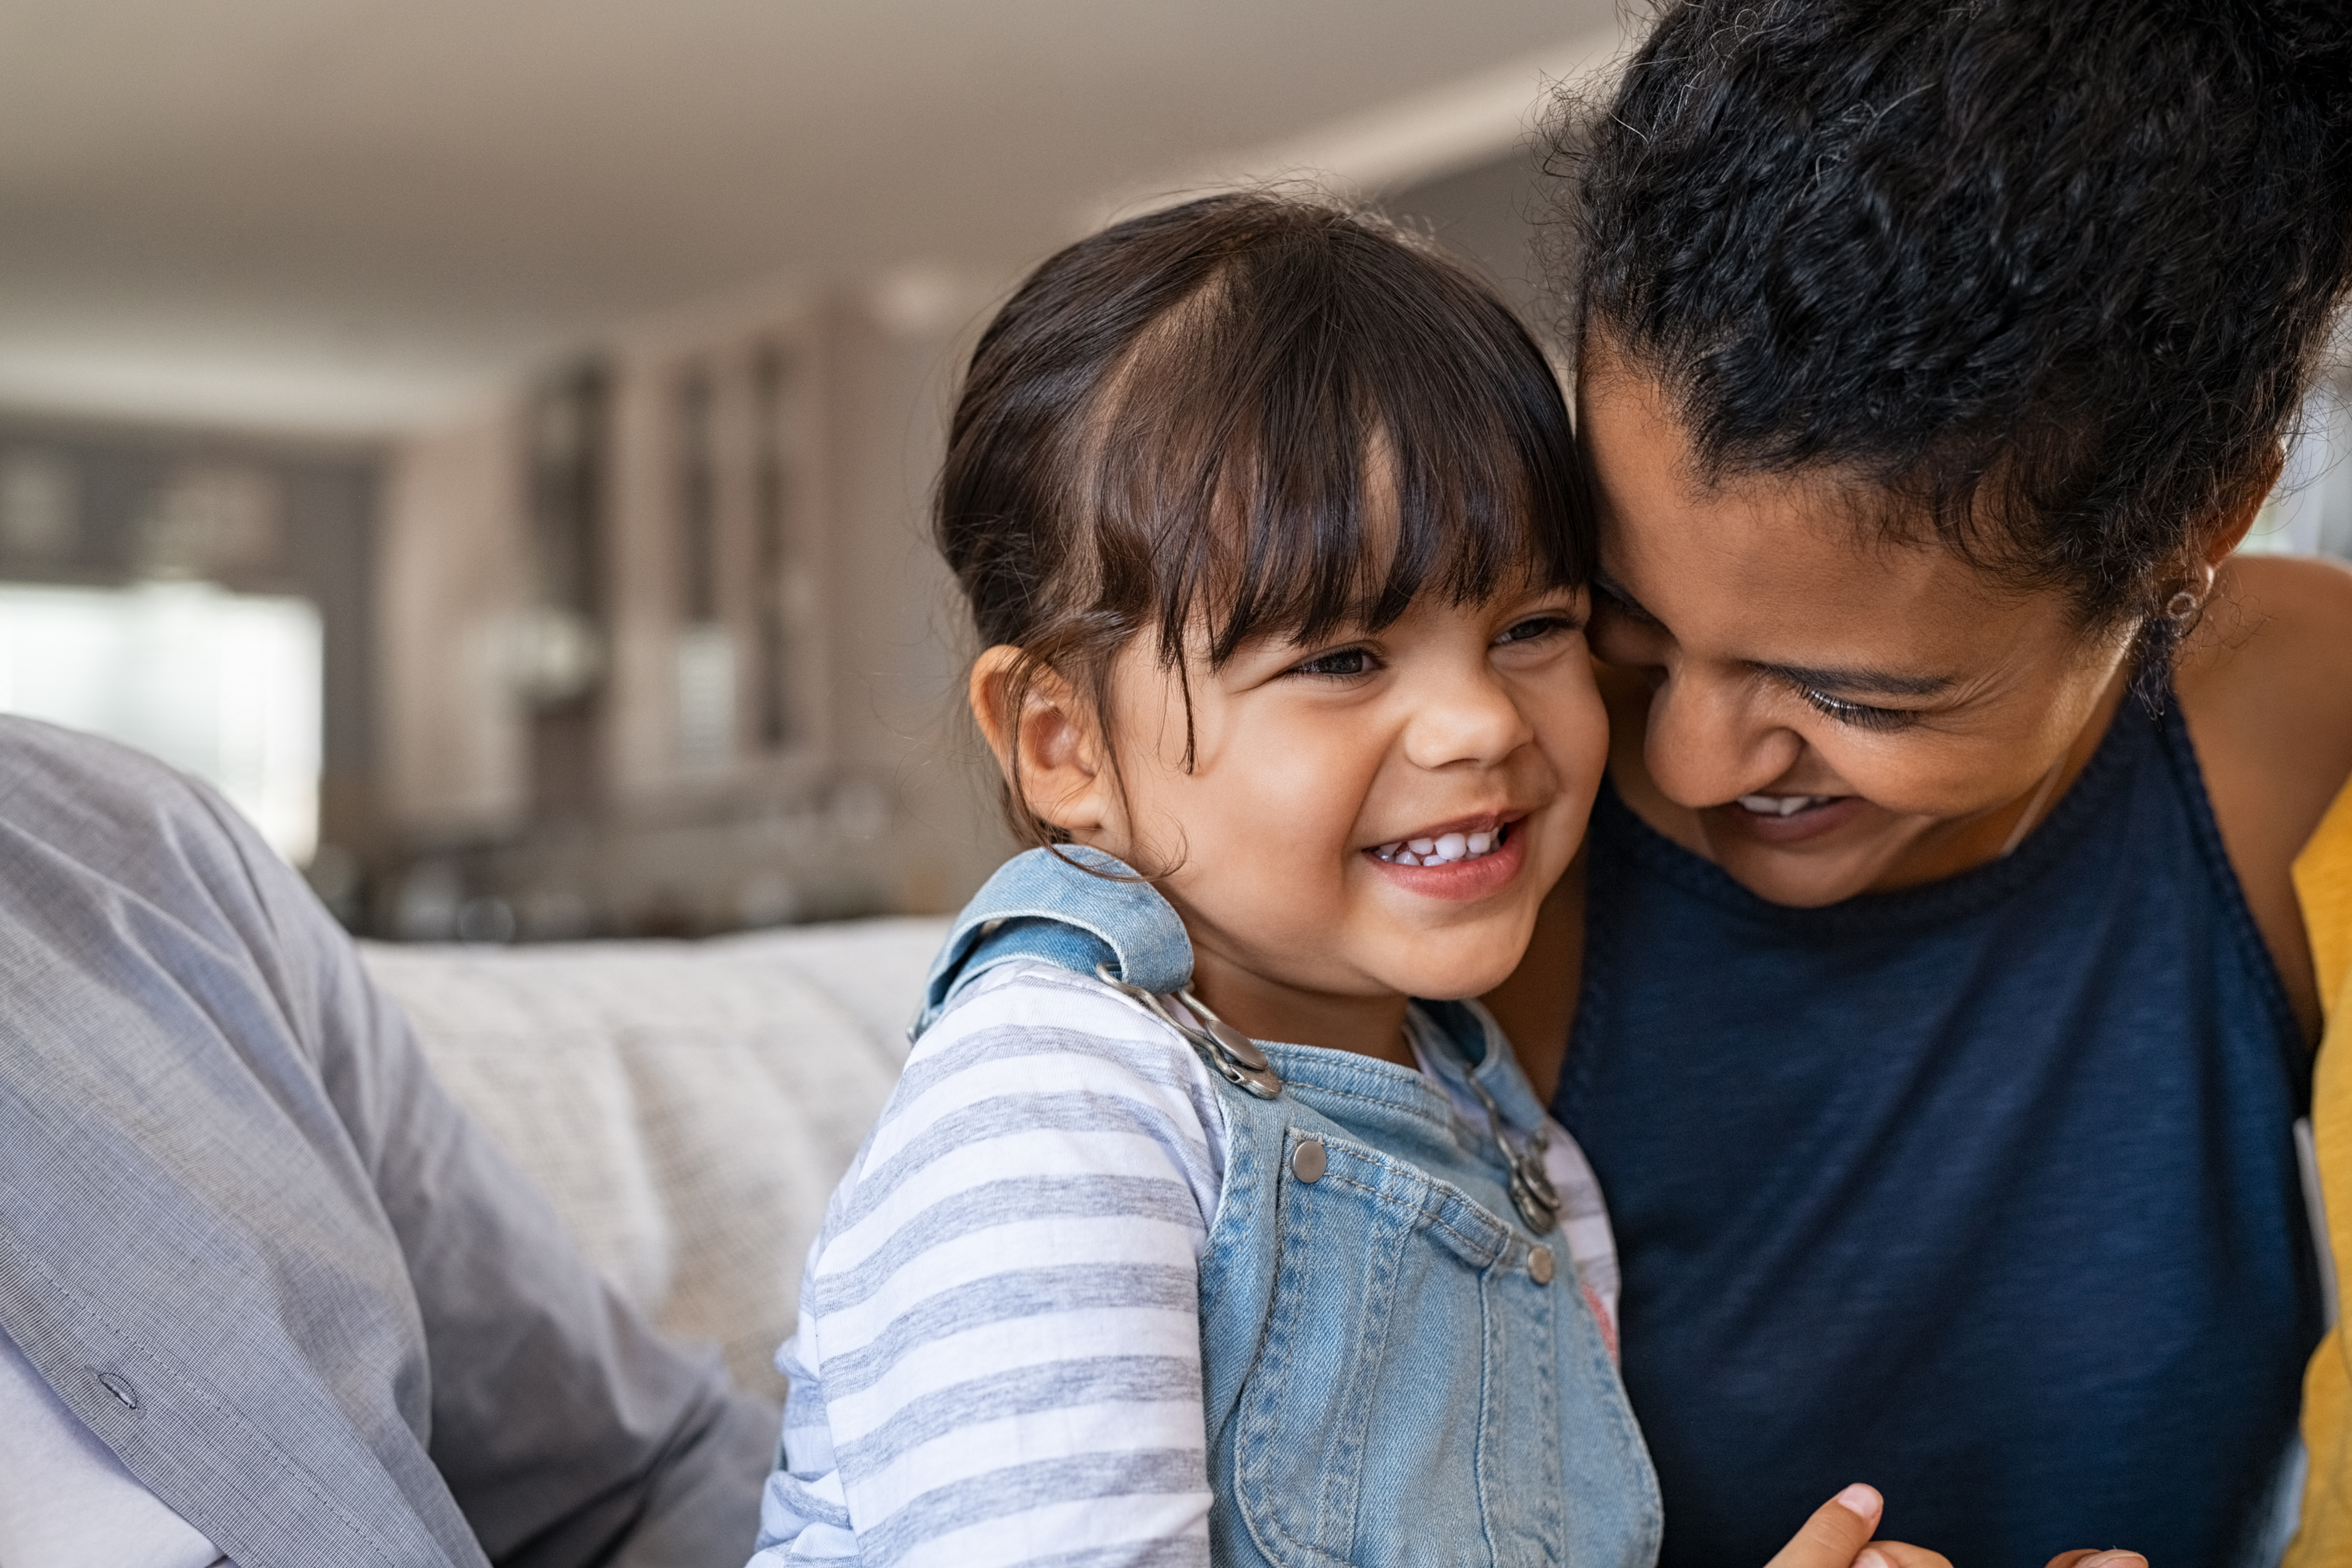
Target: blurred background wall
x: 491, y: 440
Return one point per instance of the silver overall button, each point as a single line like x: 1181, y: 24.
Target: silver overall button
x: 1306, y: 1161
x: 1540, y: 1264
x: 1238, y: 1046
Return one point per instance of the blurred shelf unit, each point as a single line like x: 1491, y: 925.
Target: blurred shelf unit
x: 726, y: 585
x: 662, y: 637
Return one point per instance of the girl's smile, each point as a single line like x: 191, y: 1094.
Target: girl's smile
x: 1456, y: 860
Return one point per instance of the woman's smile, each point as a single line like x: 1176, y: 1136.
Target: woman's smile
x: 1781, y: 820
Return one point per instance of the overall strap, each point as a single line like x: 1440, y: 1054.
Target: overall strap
x: 1069, y: 906
x: 1083, y: 910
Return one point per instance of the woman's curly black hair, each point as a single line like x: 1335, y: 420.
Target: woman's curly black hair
x: 2056, y: 273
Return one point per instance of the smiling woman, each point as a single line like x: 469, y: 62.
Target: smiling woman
x: 1910, y: 719
x: 1932, y: 997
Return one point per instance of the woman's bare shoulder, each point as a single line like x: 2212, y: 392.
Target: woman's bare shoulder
x: 2266, y: 681
x: 2292, y: 596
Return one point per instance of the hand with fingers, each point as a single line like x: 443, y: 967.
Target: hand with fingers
x: 1839, y: 1534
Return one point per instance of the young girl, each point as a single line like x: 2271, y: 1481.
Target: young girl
x: 1272, y: 525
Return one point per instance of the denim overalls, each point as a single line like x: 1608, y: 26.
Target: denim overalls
x: 1396, y: 1370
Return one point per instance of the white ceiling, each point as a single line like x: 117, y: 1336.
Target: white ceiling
x: 359, y: 214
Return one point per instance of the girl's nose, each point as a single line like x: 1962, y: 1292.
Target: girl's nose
x: 1706, y: 745
x: 1472, y: 721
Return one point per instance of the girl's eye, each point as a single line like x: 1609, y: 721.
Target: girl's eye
x: 1535, y: 628
x: 1859, y: 715
x: 1339, y: 663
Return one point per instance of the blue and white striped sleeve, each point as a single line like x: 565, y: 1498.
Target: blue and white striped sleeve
x: 997, y: 1357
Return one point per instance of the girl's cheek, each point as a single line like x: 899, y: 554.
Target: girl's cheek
x: 1574, y: 723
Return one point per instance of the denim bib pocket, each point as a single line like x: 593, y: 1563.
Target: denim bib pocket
x: 1397, y: 1294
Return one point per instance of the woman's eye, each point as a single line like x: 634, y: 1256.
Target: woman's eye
x: 1537, y: 627
x: 1859, y: 715
x: 1338, y: 664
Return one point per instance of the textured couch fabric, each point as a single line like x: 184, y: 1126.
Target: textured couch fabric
x: 686, y: 1106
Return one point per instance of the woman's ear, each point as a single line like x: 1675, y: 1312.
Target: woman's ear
x: 1047, y: 740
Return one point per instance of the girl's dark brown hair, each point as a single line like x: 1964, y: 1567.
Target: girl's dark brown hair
x: 1249, y: 415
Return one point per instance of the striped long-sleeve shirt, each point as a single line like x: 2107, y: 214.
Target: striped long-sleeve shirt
x: 998, y: 1359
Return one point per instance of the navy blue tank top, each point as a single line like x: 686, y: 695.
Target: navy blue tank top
x: 1984, y: 1191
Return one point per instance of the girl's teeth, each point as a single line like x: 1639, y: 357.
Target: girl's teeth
x: 1441, y: 850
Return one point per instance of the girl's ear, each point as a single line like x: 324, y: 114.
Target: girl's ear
x: 1047, y: 741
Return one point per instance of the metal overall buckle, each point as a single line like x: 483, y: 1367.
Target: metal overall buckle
x: 1231, y: 1054
x: 1532, y: 1193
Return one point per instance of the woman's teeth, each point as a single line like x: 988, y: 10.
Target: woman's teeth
x: 1782, y: 804
x: 1441, y: 850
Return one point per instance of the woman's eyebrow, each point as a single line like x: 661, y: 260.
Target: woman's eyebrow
x: 1874, y: 682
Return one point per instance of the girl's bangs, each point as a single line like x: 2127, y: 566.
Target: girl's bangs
x: 1285, y: 461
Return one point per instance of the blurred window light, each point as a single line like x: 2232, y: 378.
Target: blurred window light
x: 2310, y: 511
x: 224, y: 686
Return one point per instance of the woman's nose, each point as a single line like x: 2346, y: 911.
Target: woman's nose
x: 1705, y: 745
